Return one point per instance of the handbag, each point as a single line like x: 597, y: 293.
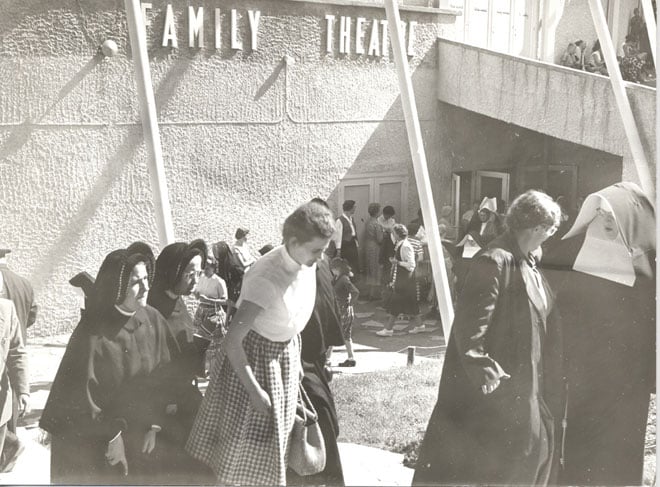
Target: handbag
x: 306, y: 445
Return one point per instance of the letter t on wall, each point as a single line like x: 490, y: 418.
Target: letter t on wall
x: 330, y: 20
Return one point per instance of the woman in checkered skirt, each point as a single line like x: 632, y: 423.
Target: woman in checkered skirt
x: 242, y: 428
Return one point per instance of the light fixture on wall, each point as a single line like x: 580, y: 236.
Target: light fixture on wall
x: 109, y: 48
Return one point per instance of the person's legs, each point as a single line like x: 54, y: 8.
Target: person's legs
x: 389, y: 327
x: 416, y: 325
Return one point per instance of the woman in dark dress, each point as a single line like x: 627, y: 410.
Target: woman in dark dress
x: 501, y: 384
x: 178, y: 268
x: 606, y: 283
x: 323, y: 330
x: 100, y: 412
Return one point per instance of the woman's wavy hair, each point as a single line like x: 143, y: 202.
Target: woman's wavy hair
x: 307, y: 222
x: 532, y: 208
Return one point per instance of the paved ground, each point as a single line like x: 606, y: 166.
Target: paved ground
x: 362, y: 465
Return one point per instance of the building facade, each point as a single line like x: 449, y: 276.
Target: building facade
x: 263, y: 105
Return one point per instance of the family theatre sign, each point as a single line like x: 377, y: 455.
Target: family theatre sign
x: 343, y: 34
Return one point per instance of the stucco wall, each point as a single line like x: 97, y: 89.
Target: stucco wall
x: 245, y: 137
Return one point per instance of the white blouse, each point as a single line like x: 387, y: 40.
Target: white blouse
x: 213, y: 287
x: 285, y: 290
x: 407, y: 255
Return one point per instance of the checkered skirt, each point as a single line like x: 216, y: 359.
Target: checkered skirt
x: 240, y: 445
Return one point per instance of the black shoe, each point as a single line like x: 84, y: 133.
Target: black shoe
x: 10, y: 457
x: 347, y: 363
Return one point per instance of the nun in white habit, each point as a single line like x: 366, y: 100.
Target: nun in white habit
x: 604, y: 271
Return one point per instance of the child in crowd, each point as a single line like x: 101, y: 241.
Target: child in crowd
x: 210, y: 319
x: 346, y: 294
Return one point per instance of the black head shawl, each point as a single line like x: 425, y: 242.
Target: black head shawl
x: 169, y: 268
x: 113, y: 276
x: 68, y: 400
x: 222, y: 253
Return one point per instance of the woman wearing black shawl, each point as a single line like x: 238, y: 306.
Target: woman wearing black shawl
x: 178, y: 268
x: 100, y: 411
x: 604, y: 270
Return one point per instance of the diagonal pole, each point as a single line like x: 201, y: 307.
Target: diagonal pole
x: 138, y: 39
x: 419, y: 166
x: 621, y: 97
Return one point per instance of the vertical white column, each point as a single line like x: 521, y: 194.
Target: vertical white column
x: 420, y: 168
x: 137, y: 36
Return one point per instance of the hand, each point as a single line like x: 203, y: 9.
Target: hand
x: 171, y: 409
x: 392, y: 260
x: 24, y: 405
x: 116, y: 454
x: 490, y: 387
x: 149, y: 442
x: 261, y: 401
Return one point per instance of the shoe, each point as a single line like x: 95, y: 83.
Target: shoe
x: 12, y: 456
x: 417, y: 329
x: 385, y: 333
x: 349, y: 362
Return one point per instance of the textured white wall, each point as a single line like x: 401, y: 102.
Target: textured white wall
x: 245, y: 139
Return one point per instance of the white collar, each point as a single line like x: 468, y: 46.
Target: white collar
x: 289, y: 263
x: 125, y: 313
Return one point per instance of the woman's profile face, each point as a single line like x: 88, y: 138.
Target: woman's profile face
x: 137, y: 288
x: 189, y: 277
x: 309, y: 252
x: 606, y: 224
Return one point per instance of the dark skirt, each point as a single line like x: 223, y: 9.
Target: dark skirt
x: 404, y: 299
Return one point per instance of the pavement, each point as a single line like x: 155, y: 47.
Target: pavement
x: 362, y: 465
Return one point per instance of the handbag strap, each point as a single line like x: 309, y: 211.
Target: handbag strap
x: 307, y: 407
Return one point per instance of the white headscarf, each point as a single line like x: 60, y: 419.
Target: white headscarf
x: 630, y: 253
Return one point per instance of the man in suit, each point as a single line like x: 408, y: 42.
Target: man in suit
x: 13, y: 371
x: 19, y: 290
x: 345, y: 237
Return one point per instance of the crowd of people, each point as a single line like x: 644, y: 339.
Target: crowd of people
x: 634, y: 54
x: 547, y: 376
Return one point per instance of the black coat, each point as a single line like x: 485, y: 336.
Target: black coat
x: 20, y: 291
x: 508, y: 436
x: 103, y: 386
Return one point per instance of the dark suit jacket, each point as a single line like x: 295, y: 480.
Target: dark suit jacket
x: 14, y: 375
x: 20, y: 292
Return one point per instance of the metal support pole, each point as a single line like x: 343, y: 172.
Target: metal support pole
x: 619, y: 88
x: 649, y: 20
x: 419, y: 166
x: 138, y: 39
